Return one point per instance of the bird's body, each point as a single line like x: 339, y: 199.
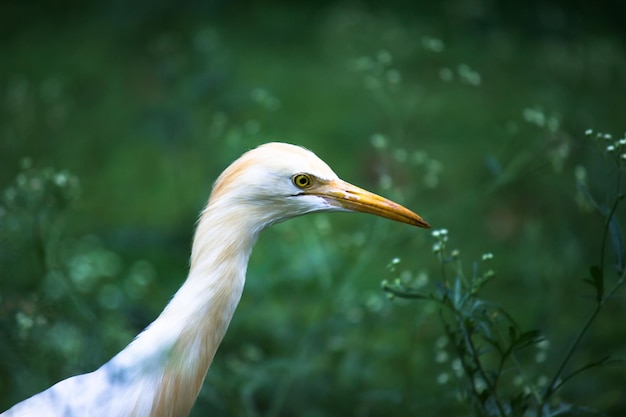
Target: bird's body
x: 161, y: 372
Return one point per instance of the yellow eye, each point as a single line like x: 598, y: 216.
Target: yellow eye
x: 301, y: 180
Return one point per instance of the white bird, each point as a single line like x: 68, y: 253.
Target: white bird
x: 160, y: 373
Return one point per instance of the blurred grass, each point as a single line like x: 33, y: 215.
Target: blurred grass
x: 147, y: 103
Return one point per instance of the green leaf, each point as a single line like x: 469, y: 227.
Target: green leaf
x: 513, y: 334
x: 528, y: 338
x: 596, y: 281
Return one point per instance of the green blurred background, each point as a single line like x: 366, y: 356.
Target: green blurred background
x: 470, y: 112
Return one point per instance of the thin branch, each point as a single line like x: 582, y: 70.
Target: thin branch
x: 474, y: 354
x: 602, y: 362
x: 552, y: 386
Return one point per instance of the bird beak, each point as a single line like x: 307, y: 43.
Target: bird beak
x: 346, y: 196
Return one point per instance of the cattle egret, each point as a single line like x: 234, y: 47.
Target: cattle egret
x: 160, y: 373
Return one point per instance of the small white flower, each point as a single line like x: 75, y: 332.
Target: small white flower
x: 384, y: 57
x: 378, y: 141
x: 542, y: 381
x: 441, y: 356
x: 540, y: 357
x: 393, y: 76
x: 441, y: 342
x: 443, y: 378
x: 446, y: 74
x: 543, y: 344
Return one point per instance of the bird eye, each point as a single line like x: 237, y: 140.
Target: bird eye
x: 301, y: 180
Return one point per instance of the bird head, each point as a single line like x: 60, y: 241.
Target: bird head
x: 277, y: 181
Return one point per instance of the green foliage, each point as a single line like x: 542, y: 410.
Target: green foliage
x: 494, y: 372
x: 32, y: 213
x: 465, y: 111
x: 55, y: 287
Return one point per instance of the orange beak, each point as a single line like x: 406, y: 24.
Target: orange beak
x: 349, y: 197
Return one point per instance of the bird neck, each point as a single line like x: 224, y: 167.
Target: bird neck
x: 184, y: 338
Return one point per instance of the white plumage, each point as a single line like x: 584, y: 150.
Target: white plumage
x: 160, y: 373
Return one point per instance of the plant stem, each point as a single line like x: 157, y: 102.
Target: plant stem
x: 476, y: 359
x: 553, y: 385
